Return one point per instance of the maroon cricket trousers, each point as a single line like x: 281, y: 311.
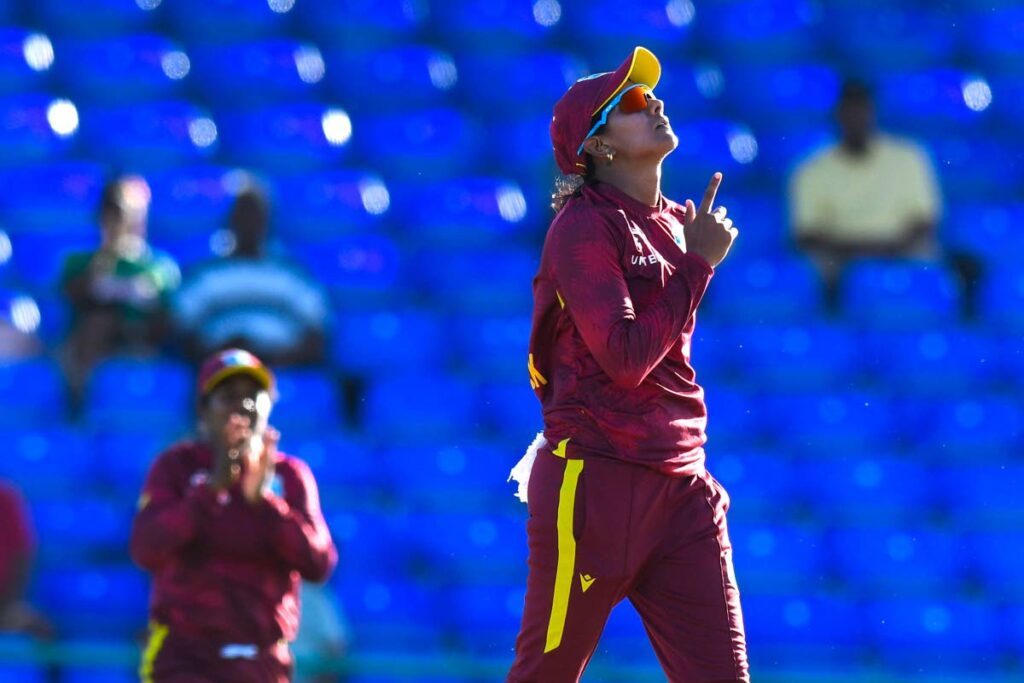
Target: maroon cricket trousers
x: 168, y: 659
x: 601, y: 530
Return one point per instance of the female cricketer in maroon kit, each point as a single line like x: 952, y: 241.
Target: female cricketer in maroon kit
x: 620, y: 503
x: 227, y: 525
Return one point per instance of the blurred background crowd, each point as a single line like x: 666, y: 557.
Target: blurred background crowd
x: 357, y: 191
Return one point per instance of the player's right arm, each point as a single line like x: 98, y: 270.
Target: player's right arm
x: 169, y: 513
x: 586, y: 259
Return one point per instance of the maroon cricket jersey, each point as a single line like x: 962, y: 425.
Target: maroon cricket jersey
x: 615, y: 304
x: 224, y: 570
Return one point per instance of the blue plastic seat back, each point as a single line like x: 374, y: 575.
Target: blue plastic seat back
x: 404, y: 77
x: 494, y: 345
x: 154, y: 136
x: 690, y: 89
x: 363, y: 538
x: 202, y: 21
x: 125, y: 458
x: 609, y: 30
x: 798, y: 619
x: 997, y: 28
x: 128, y: 392
x: 390, y: 341
x: 990, y: 234
x: 308, y: 400
x: 528, y: 155
x: 107, y: 601
x: 358, y: 271
x: 1002, y: 298
x: 706, y: 146
x: 131, y: 68
x: 30, y: 391
x: 341, y: 463
x: 530, y: 83
x: 330, y: 203
x: 985, y: 494
x: 366, y: 24
x: 957, y: 160
x: 511, y: 409
x: 930, y: 100
x: 486, y: 618
x: 502, y: 23
x: 189, y: 201
x: 937, y: 633
x: 736, y: 417
x: 759, y: 480
x: 873, y: 39
x: 772, y: 557
x: 471, y: 474
x: 932, y: 362
x: 502, y: 278
x: 752, y: 31
x: 26, y: 134
x: 63, y: 194
x: 810, y: 356
x: 905, y: 561
x: 429, y: 144
x: 422, y: 405
x: 797, y: 92
x: 66, y: 539
x: 102, y: 18
x: 26, y: 59
x: 900, y: 293
x: 843, y: 421
x: 240, y: 74
x: 50, y: 461
x: 776, y: 290
x: 287, y: 137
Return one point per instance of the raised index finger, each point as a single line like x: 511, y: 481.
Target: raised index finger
x: 709, y: 194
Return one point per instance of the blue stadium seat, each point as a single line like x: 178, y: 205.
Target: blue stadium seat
x: 1002, y: 299
x: 958, y: 157
x: 308, y: 400
x: 391, y: 614
x: 987, y: 553
x: 492, y: 345
x: 987, y: 230
x: 404, y: 77
x: 92, y: 674
x: 609, y: 30
x: 486, y: 618
x: 763, y: 290
x: 342, y: 465
x: 359, y: 271
x: 389, y: 341
x: 39, y: 263
x: 330, y: 203
x: 364, y: 537
x: 117, y: 71
x: 802, y: 630
x: 870, y: 487
x: 59, y: 197
x: 736, y: 418
x: 496, y: 280
x: 154, y: 136
x: 510, y: 409
x: 798, y: 356
x: 429, y: 144
x: 25, y: 60
x: 466, y: 211
x: 468, y: 548
x: 934, y: 635
x: 715, y: 350
x: 202, y: 21
x: 527, y: 155
x: 101, y: 18
x: 31, y: 392
x: 26, y: 136
x: 932, y: 362
x: 191, y: 200
x: 50, y: 461
x: 691, y: 89
x: 777, y: 557
x: 996, y: 26
x: 907, y: 562
x: 706, y: 146
x: 133, y: 393
x: 782, y: 146
x: 873, y: 39
x: 1007, y: 97
x: 101, y: 601
x: 842, y: 420
x: 804, y: 93
x: 531, y: 82
x: 984, y: 496
x: 897, y: 294
x: 470, y: 475
x: 241, y: 74
x: 287, y: 137
x: 504, y: 23
x: 22, y: 672
x: 419, y: 406
x: 363, y: 23
x: 759, y: 481
x: 761, y: 219
x: 927, y: 100
x: 190, y: 250
x: 124, y: 458
x: 954, y: 427
x: 65, y: 537
x: 752, y: 31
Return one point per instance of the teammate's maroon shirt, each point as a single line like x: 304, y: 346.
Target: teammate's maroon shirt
x: 615, y: 301
x: 224, y: 570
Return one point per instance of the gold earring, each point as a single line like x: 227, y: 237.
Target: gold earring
x: 611, y: 156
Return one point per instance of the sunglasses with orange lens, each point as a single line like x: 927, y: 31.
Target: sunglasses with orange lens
x: 631, y: 100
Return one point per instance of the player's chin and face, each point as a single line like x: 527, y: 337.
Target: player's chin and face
x: 238, y: 396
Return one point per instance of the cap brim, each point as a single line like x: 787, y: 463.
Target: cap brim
x: 261, y: 375
x: 642, y: 67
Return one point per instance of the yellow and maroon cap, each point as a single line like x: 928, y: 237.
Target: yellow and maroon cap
x: 585, y: 99
x: 229, y: 363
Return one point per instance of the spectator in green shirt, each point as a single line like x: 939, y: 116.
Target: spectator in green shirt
x: 119, y: 292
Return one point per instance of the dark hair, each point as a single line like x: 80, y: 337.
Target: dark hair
x: 571, y: 185
x: 855, y: 91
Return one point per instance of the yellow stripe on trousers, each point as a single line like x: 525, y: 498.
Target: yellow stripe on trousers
x: 157, y: 635
x: 566, y: 554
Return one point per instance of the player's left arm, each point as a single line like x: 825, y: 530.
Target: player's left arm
x: 298, y: 532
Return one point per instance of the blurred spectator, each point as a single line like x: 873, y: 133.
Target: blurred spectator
x: 323, y: 632
x: 868, y: 195
x: 251, y: 299
x: 19, y: 325
x: 17, y: 546
x: 119, y: 293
